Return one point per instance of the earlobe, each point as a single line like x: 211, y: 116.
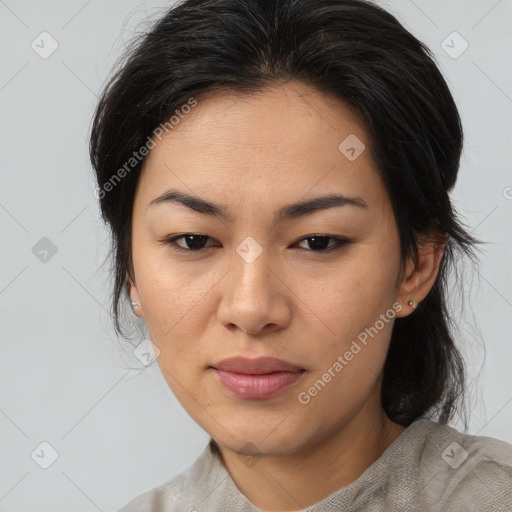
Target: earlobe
x: 420, y: 277
x: 135, y: 301
x: 412, y: 304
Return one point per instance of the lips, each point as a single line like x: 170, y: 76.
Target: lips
x: 255, y: 379
x: 258, y: 366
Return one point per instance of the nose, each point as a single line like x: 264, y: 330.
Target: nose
x: 254, y: 297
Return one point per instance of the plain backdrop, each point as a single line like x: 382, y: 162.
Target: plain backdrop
x: 68, y: 398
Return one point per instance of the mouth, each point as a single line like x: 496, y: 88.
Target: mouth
x: 256, y: 379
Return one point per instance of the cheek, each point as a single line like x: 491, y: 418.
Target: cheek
x: 350, y: 352
x: 353, y: 297
x: 174, y: 303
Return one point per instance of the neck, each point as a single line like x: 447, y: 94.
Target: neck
x: 299, y: 480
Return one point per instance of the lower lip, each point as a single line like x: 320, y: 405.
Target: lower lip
x: 257, y: 387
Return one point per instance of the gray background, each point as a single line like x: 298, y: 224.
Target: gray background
x: 64, y: 378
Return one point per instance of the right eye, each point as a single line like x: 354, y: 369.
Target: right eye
x: 193, y: 242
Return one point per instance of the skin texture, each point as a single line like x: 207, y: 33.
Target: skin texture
x: 255, y: 154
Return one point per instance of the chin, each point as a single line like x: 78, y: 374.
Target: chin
x: 254, y: 441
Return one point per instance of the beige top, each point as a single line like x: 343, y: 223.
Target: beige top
x: 428, y: 467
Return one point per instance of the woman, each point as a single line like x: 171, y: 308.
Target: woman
x: 276, y: 176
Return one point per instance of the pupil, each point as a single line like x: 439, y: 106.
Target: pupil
x: 195, y: 241
x: 318, y: 243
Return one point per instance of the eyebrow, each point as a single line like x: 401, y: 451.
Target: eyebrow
x: 290, y: 211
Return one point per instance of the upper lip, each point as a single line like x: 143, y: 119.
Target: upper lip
x: 256, y: 366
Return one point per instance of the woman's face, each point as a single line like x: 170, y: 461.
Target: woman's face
x: 256, y: 283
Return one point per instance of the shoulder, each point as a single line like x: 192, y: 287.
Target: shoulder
x: 176, y: 494
x: 165, y: 497
x: 463, y: 472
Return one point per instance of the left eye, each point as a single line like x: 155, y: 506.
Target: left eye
x: 196, y: 242
x: 320, y: 243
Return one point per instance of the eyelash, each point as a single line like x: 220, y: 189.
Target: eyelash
x: 339, y: 242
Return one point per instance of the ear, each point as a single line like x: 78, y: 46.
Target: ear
x: 133, y: 294
x: 420, y: 277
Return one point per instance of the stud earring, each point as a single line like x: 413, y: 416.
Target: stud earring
x: 135, y: 304
x: 412, y: 304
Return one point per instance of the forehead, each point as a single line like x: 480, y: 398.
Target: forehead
x: 281, y: 140
x: 289, y: 116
